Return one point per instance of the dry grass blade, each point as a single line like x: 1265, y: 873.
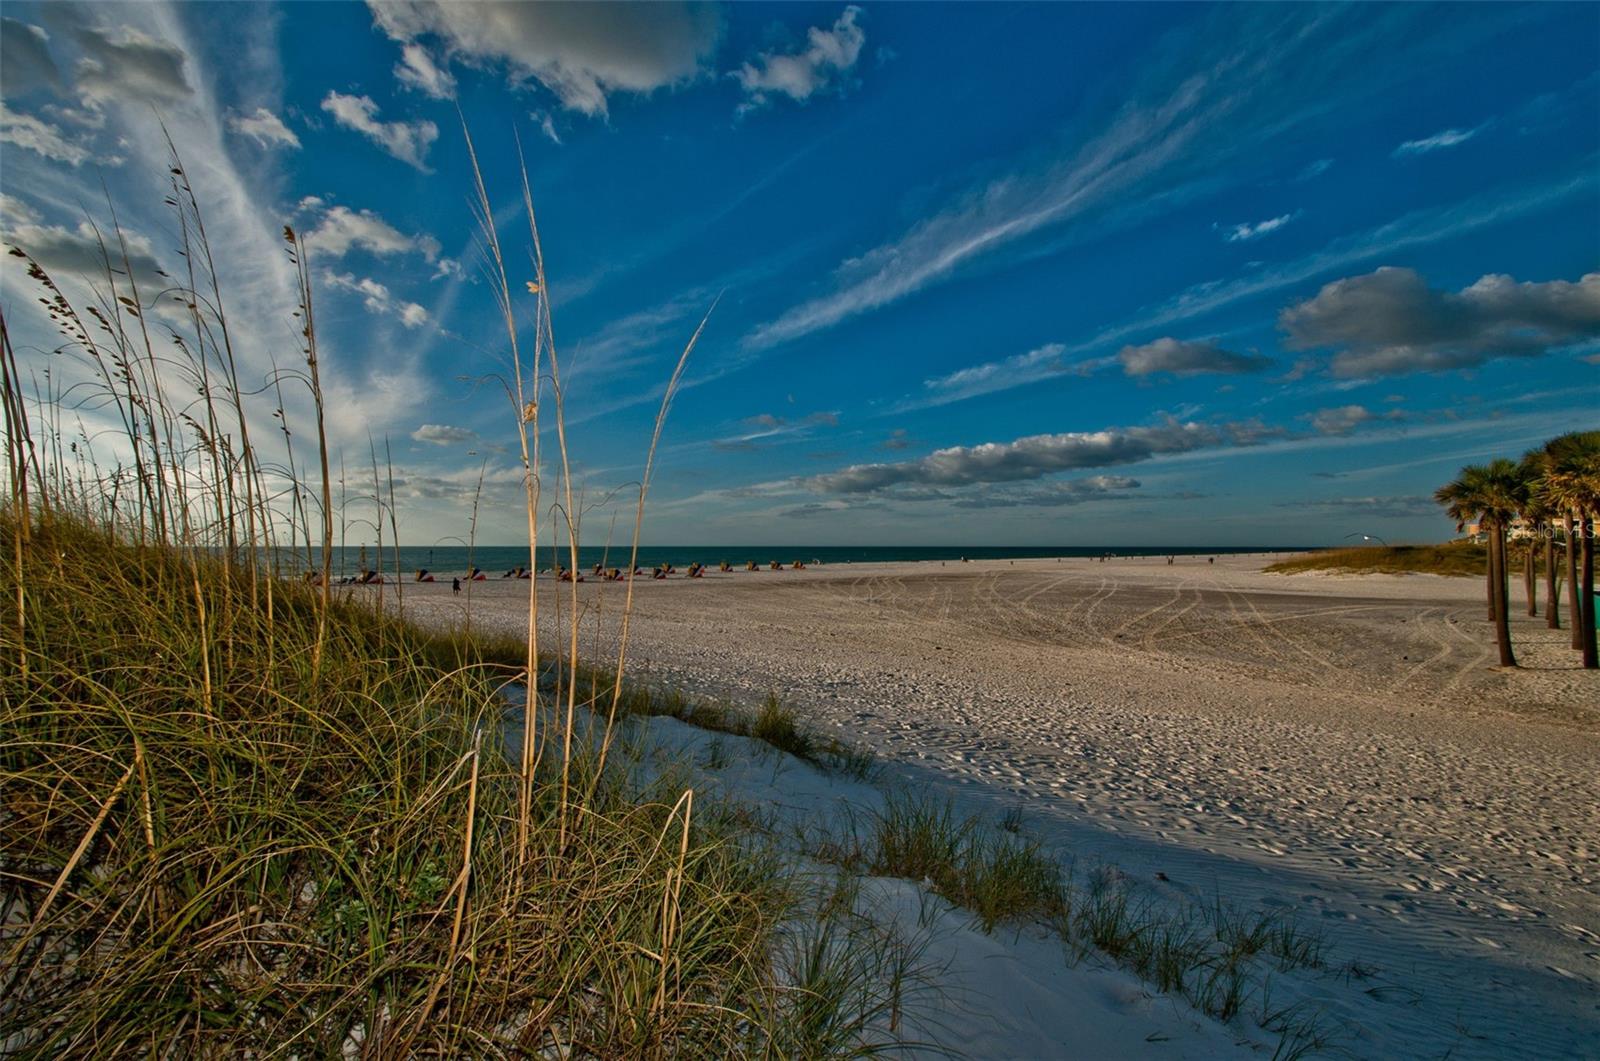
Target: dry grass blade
x: 72, y: 863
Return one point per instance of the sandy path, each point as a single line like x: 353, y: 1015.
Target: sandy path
x: 1338, y: 744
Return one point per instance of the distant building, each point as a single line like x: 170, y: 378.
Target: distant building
x: 1516, y: 531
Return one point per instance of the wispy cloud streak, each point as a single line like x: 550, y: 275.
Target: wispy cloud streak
x: 1187, y: 123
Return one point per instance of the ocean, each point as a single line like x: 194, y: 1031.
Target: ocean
x: 498, y: 559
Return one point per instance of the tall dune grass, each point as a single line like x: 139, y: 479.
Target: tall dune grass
x: 246, y: 815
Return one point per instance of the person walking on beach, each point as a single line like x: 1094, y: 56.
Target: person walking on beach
x: 455, y: 586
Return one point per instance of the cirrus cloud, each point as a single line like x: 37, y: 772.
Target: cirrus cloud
x: 1437, y: 142
x: 1246, y: 231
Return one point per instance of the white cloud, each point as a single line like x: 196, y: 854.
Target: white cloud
x: 367, y: 388
x: 1186, y: 357
x: 89, y: 116
x: 377, y: 299
x: 1419, y: 228
x: 417, y: 69
x: 1244, y: 232
x: 265, y: 128
x: 827, y: 57
x: 443, y: 435
x: 40, y: 137
x: 1033, y: 457
x: 547, y: 126
x: 1436, y: 142
x: 406, y: 141
x: 580, y: 52
x: 1390, y: 322
x: 341, y: 229
x: 16, y: 211
x: 1416, y: 229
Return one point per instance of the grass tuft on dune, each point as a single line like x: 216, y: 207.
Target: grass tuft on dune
x: 213, y: 846
x: 1452, y: 558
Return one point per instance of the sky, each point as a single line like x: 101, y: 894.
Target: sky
x: 975, y: 274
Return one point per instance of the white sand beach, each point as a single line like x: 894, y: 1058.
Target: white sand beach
x: 1339, y: 746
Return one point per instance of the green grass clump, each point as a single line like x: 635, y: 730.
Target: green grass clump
x: 1212, y: 957
x: 774, y: 722
x: 1453, y: 558
x: 999, y: 876
x: 217, y: 843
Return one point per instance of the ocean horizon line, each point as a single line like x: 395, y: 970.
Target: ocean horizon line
x: 492, y: 558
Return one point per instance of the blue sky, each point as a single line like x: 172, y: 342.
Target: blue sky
x: 1033, y: 274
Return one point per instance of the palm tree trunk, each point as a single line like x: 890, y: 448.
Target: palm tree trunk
x: 1552, y: 598
x: 1529, y: 582
x: 1574, y: 604
x: 1489, y: 568
x: 1502, y: 602
x: 1591, y: 658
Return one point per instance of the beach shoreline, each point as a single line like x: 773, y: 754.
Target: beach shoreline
x: 1338, y: 745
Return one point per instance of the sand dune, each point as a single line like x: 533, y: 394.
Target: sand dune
x: 1336, y: 744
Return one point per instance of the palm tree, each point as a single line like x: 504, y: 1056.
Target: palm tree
x: 1538, y: 514
x: 1460, y: 500
x: 1572, y: 481
x: 1492, y: 494
x: 1543, y: 514
x: 1529, y: 475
